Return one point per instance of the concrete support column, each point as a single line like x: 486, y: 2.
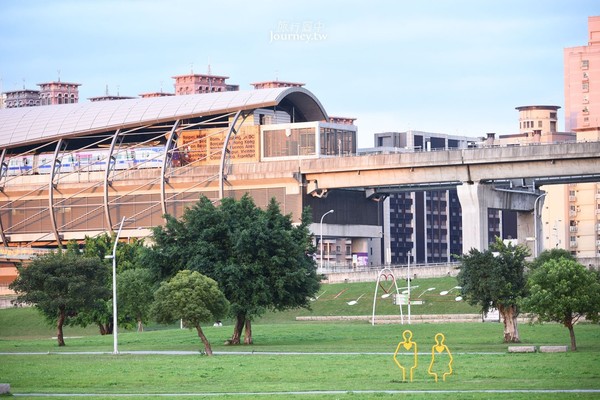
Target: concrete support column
x: 474, y: 216
x: 526, y: 229
x: 387, y: 245
x: 475, y: 199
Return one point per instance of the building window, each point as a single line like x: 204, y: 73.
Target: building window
x: 585, y: 64
x: 289, y: 142
x: 585, y: 86
x: 274, y: 143
x: 539, y: 124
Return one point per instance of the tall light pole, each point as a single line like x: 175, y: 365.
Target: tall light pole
x: 321, y: 239
x: 114, y: 286
x: 408, y: 283
x: 535, y: 224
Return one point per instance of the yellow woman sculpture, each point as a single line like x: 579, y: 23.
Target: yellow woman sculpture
x: 408, y: 345
x: 443, y: 353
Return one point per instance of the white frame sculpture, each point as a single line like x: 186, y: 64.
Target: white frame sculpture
x: 387, y: 272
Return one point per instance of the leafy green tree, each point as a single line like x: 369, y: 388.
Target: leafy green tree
x: 495, y: 278
x: 135, y: 293
x: 562, y: 290
x: 193, y: 298
x: 127, y: 258
x: 260, y: 259
x: 552, y: 254
x: 61, y: 286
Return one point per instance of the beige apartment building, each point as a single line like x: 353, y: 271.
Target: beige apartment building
x: 571, y: 213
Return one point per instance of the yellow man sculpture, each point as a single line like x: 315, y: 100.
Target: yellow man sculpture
x: 407, y: 345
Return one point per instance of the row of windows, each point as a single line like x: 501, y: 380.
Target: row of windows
x: 57, y: 95
x: 529, y: 124
x: 22, y: 103
x: 59, y: 100
x: 201, y: 89
x: 292, y: 142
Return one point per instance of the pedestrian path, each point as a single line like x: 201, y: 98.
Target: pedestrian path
x: 312, y: 392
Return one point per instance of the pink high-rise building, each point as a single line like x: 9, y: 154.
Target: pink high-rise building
x: 582, y: 85
x: 58, y: 93
x: 202, y: 83
x: 571, y: 213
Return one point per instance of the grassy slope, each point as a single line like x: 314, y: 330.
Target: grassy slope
x: 23, y: 330
x: 25, y: 322
x: 334, y: 298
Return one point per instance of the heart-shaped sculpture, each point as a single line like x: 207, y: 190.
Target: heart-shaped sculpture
x: 386, y: 277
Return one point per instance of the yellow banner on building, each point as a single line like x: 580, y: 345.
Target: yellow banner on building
x: 204, y: 146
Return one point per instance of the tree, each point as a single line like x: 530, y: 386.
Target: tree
x: 495, y: 278
x: 127, y: 258
x: 260, y: 259
x: 62, y: 285
x: 562, y: 290
x: 135, y: 293
x: 193, y: 298
x: 552, y: 254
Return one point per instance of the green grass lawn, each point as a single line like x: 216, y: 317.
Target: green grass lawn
x: 314, y: 359
x: 333, y: 300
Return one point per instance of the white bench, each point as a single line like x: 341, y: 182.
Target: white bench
x: 521, y: 349
x: 553, y: 349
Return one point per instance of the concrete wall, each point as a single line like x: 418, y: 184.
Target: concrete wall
x: 400, y: 273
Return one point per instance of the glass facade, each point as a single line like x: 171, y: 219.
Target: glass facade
x: 337, y: 142
x: 311, y: 139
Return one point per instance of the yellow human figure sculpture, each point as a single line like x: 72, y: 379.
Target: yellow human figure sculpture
x: 440, y: 349
x: 408, y: 345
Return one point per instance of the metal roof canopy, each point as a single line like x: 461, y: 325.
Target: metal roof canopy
x: 28, y: 125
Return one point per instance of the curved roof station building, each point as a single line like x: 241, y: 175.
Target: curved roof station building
x: 75, y: 170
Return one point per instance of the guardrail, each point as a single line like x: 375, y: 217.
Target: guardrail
x: 336, y: 268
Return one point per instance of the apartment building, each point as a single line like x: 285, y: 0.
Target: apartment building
x: 572, y: 220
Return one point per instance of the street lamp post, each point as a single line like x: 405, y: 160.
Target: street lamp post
x: 114, y: 286
x: 321, y: 239
x: 408, y: 283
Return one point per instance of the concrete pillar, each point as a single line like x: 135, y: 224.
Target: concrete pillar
x: 474, y: 216
x: 476, y: 198
x: 387, y: 241
x: 526, y: 229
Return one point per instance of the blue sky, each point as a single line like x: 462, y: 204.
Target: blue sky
x: 457, y: 67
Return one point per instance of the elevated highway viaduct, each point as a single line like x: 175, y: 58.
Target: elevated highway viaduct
x: 489, y: 177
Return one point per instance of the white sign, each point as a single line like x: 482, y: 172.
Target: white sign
x: 493, y: 315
